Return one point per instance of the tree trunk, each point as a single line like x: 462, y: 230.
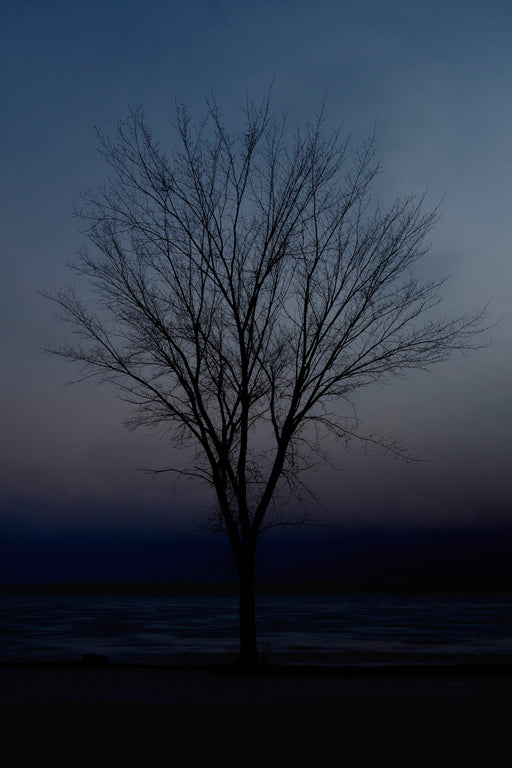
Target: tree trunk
x: 247, y: 603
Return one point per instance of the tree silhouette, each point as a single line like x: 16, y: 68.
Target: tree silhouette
x: 242, y: 288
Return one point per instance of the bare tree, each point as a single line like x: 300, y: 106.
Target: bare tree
x: 242, y: 288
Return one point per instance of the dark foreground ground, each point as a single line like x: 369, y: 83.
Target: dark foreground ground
x: 438, y: 715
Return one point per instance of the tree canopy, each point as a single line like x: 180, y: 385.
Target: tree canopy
x: 243, y: 285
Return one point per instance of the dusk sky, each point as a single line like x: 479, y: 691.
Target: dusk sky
x: 435, y: 79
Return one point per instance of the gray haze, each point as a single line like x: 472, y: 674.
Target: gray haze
x: 435, y: 79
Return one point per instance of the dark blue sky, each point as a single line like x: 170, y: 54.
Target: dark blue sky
x: 434, y: 76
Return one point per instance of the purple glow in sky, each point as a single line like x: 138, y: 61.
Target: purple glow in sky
x: 435, y: 78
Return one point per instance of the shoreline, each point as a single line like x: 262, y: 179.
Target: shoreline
x: 328, y: 663
x: 96, y: 678
x: 417, y: 712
